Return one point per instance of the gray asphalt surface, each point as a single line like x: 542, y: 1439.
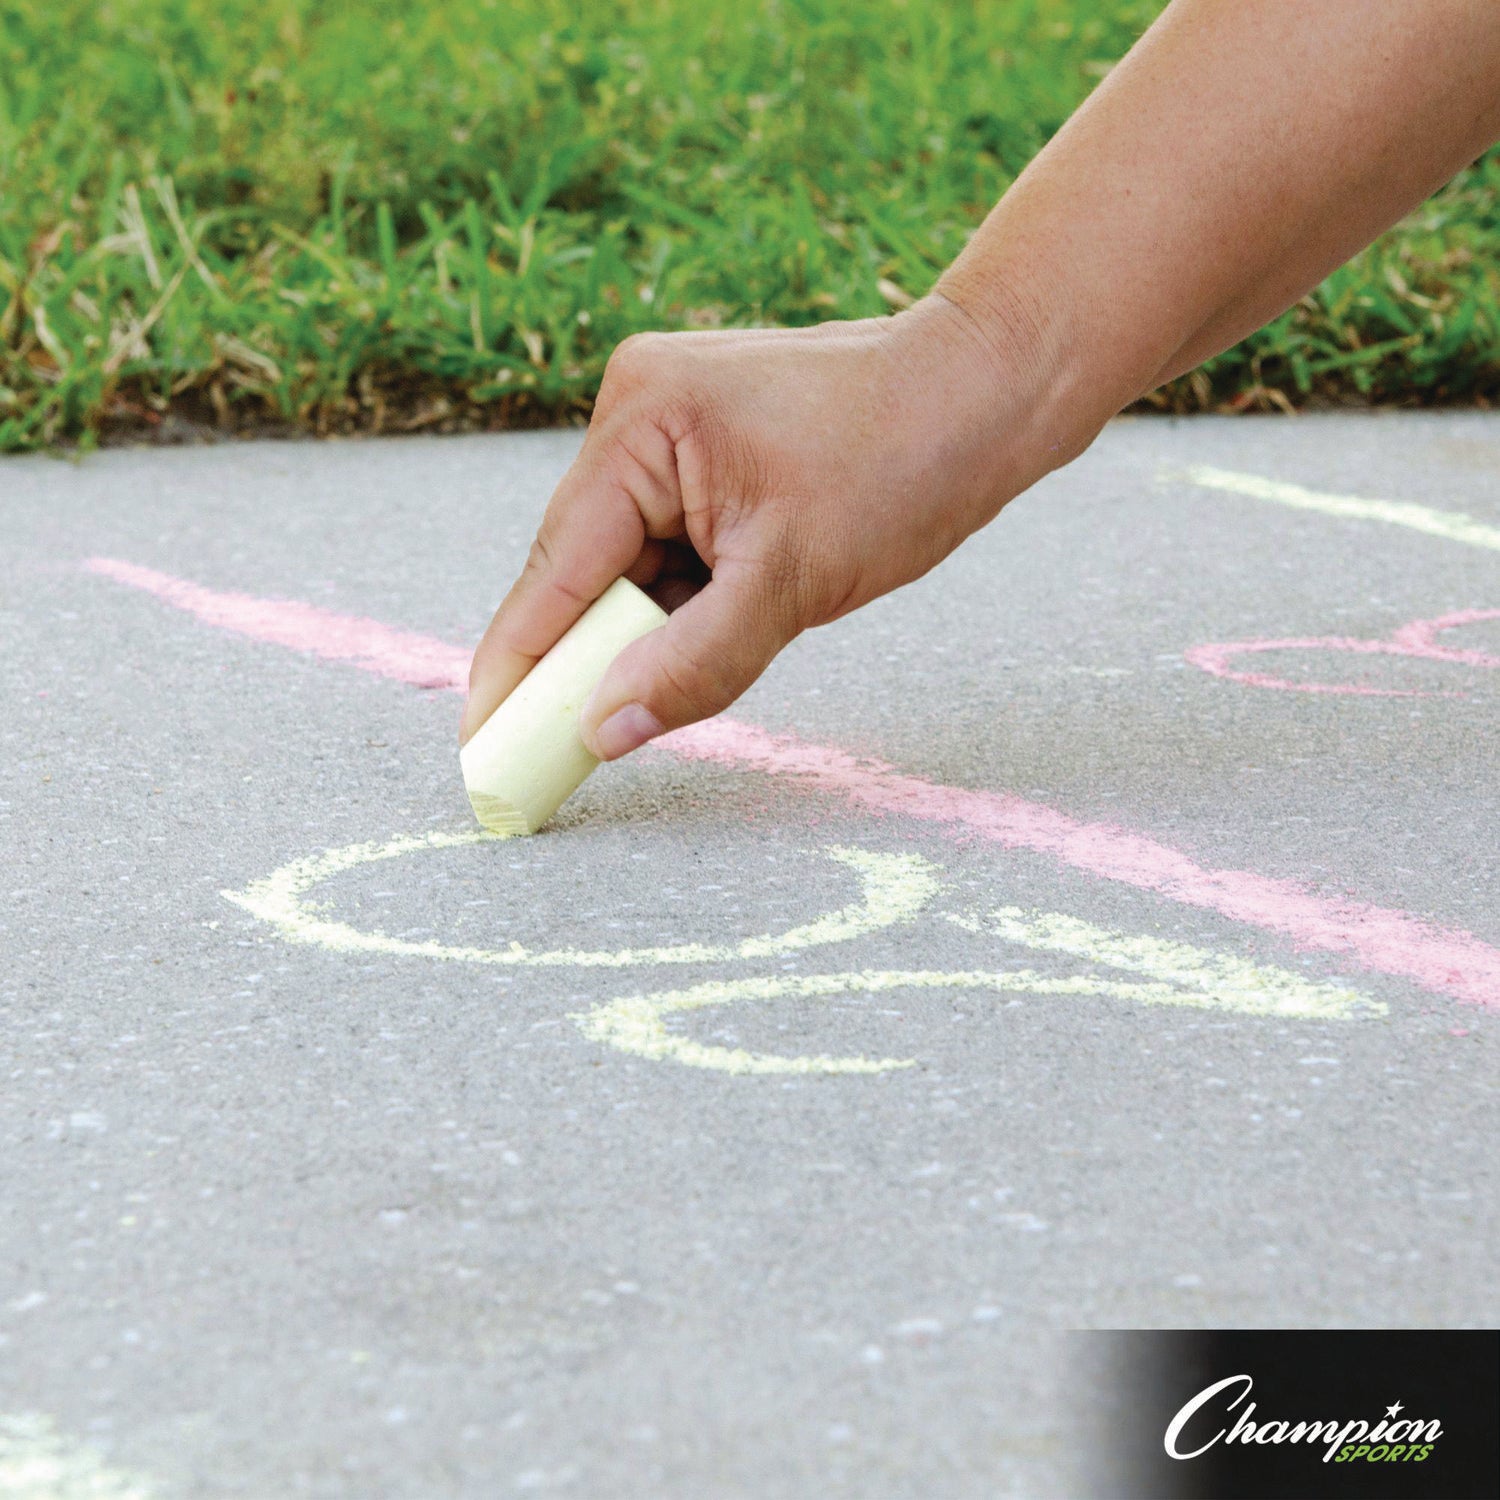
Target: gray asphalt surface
x: 285, y: 1221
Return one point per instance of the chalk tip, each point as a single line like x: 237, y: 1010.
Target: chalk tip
x: 499, y: 816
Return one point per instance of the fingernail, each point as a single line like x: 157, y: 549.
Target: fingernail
x: 625, y: 730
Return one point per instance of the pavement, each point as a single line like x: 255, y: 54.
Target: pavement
x: 1154, y: 836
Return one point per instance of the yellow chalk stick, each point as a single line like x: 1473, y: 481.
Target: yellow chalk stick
x: 528, y: 759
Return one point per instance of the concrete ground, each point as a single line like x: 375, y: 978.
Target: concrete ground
x: 291, y: 1210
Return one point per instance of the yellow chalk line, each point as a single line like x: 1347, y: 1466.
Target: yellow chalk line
x: 637, y: 1024
x: 1216, y: 980
x: 1451, y: 525
x: 894, y: 888
x: 39, y: 1463
x: 1178, y: 974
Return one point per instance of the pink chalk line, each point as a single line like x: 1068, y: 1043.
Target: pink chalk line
x: 1445, y: 960
x: 1417, y: 639
x: 417, y: 660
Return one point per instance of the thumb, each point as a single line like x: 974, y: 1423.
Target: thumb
x: 710, y: 650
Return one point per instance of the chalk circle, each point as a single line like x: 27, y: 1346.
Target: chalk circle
x: 638, y: 1023
x: 894, y: 888
x: 1417, y: 641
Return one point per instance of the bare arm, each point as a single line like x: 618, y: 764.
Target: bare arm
x: 1242, y: 150
x: 1239, y: 153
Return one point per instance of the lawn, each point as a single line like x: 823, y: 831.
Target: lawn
x: 420, y: 216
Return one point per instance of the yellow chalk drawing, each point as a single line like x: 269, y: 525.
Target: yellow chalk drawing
x: 1213, y: 980
x: 38, y: 1463
x: 637, y: 1023
x: 1452, y: 525
x: 1179, y: 974
x: 895, y: 887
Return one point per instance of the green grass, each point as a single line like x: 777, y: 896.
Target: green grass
x: 408, y: 215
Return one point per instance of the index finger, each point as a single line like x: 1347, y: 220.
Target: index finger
x: 590, y: 535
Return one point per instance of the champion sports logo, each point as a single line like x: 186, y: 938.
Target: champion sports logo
x: 1391, y: 1439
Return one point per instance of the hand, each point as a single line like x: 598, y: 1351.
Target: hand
x: 758, y: 483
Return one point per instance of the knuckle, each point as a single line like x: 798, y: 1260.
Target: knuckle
x: 539, y: 564
x: 542, y: 571
x: 637, y: 365
x: 642, y: 462
x: 538, y: 556
x: 635, y: 357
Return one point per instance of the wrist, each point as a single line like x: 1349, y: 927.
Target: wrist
x: 1027, y: 357
x: 1002, y: 383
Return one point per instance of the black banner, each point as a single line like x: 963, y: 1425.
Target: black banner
x: 1295, y: 1415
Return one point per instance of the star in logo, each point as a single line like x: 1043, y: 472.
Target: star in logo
x: 1391, y: 1411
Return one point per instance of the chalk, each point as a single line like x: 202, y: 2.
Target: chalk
x: 528, y: 758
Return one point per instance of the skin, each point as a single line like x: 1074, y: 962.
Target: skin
x: 758, y: 483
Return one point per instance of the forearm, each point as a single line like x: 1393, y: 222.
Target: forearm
x: 1241, y: 151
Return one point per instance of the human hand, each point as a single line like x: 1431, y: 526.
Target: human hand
x: 759, y: 483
